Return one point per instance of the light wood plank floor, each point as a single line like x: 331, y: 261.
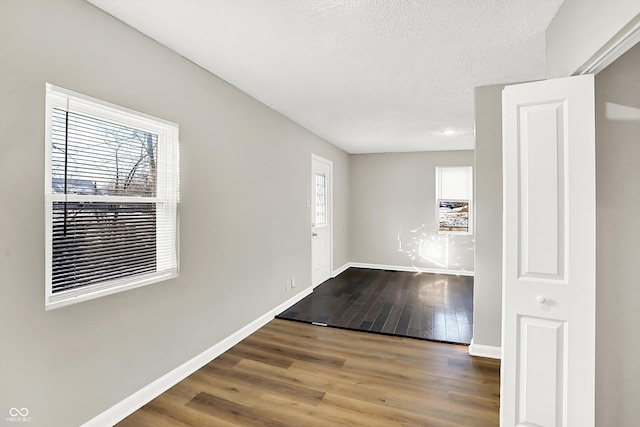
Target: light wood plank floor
x: 295, y: 374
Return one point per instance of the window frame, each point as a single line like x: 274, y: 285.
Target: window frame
x: 167, y: 191
x: 439, y: 198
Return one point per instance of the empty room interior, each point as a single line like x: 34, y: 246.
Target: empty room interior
x: 331, y: 212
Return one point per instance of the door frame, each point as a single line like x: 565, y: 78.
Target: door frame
x: 619, y: 44
x: 329, y: 163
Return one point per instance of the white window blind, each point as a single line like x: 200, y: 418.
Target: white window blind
x: 111, y: 198
x: 454, y: 182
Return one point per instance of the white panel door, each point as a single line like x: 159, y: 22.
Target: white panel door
x: 321, y: 219
x: 548, y: 324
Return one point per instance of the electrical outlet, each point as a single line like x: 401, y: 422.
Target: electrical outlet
x: 293, y: 282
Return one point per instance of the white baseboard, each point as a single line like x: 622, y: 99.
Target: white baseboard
x: 489, y: 351
x: 339, y: 270
x: 129, y: 405
x: 410, y: 268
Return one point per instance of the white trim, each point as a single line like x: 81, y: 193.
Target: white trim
x: 412, y: 268
x: 489, y: 351
x: 340, y: 270
x: 129, y: 405
x: 84, y: 102
x: 87, y: 293
x: 57, y: 197
x: 614, y: 49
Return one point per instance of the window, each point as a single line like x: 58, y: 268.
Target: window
x: 111, y: 195
x: 454, y: 191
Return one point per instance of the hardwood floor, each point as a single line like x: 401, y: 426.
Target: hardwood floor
x: 296, y: 374
x: 420, y: 305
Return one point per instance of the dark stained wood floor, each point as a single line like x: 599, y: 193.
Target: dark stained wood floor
x: 419, y: 305
x: 296, y: 374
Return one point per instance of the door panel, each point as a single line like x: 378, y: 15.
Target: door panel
x: 541, y: 175
x: 321, y: 219
x: 540, y: 373
x: 548, y: 367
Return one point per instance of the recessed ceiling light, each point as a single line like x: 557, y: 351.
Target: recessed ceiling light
x: 449, y: 132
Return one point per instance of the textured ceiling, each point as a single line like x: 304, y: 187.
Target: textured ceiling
x: 366, y: 75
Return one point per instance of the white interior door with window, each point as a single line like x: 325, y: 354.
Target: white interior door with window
x: 548, y: 359
x: 321, y: 219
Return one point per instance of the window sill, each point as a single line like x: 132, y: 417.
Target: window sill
x: 87, y: 293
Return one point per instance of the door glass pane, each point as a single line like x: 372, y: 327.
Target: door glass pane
x: 321, y: 200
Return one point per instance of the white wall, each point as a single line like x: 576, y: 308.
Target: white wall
x: 618, y: 241
x: 581, y: 28
x: 245, y: 227
x: 487, y: 283
x: 393, y: 213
